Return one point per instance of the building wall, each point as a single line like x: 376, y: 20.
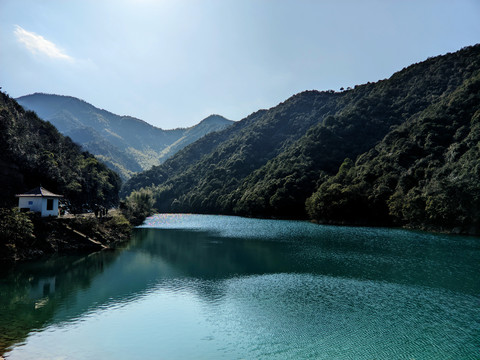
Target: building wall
x: 38, y: 204
x: 32, y: 203
x: 46, y: 212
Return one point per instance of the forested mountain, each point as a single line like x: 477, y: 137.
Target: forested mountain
x: 126, y: 144
x: 270, y: 163
x: 33, y: 153
x: 425, y: 173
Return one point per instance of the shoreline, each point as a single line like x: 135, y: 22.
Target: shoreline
x: 68, y: 234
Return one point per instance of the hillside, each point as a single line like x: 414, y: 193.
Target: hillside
x: 425, y: 173
x: 271, y: 162
x: 33, y: 153
x: 126, y: 144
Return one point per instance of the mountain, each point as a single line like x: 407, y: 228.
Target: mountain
x: 210, y: 124
x: 270, y: 163
x: 425, y: 173
x: 33, y: 153
x: 126, y: 144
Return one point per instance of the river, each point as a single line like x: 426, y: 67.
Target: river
x: 221, y: 287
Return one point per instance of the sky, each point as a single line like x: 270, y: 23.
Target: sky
x: 172, y: 63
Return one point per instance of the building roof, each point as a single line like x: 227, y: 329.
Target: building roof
x: 39, y: 192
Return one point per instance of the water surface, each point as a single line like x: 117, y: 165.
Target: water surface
x: 218, y: 287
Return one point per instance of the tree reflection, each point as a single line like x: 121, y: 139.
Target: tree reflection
x: 31, y: 293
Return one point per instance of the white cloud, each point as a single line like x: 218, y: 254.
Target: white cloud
x: 37, y: 44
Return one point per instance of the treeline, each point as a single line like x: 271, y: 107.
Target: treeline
x: 400, y: 151
x: 425, y: 173
x: 33, y: 153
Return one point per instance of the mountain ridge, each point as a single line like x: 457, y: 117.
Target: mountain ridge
x: 269, y: 165
x: 138, y: 144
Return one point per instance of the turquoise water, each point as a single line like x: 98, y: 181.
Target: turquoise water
x: 218, y: 287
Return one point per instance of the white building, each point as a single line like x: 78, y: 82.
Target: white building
x: 39, y: 200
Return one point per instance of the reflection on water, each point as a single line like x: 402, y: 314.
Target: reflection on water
x: 225, y: 287
x: 32, y: 293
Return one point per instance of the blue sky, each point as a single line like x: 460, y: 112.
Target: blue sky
x: 172, y: 63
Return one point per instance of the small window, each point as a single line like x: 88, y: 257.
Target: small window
x: 49, y: 204
x: 30, y: 203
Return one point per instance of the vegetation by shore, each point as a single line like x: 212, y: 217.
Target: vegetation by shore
x: 138, y: 206
x: 25, y: 236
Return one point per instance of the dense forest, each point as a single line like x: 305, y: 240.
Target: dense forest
x: 124, y: 143
x: 424, y: 173
x: 402, y: 151
x: 34, y: 153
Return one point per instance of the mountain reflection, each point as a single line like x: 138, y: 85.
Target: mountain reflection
x: 37, y: 294
x: 207, y: 255
x: 32, y: 293
x: 204, y: 262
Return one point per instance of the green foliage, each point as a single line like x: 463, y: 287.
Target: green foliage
x: 110, y: 229
x: 34, y: 153
x: 365, y: 116
x: 16, y: 230
x: 138, y: 205
x: 423, y: 174
x: 119, y: 222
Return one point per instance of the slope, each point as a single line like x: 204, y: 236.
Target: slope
x: 269, y: 163
x: 424, y: 174
x: 223, y: 159
x: 126, y: 144
x: 33, y: 153
x: 369, y: 113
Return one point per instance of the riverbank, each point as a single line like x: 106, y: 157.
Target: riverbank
x: 66, y: 234
x: 472, y: 230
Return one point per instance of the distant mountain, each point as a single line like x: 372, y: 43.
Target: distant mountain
x: 34, y: 153
x: 210, y: 124
x: 126, y: 144
x: 382, y: 153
